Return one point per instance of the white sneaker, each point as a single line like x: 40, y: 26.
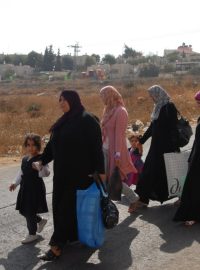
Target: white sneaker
x: 29, y: 238
x: 41, y: 225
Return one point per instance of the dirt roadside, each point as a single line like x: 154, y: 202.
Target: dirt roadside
x: 9, y: 161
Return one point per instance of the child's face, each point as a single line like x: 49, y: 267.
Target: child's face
x: 31, y: 148
x: 134, y: 142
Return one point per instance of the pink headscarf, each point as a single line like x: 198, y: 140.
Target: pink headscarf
x: 197, y: 96
x: 112, y: 99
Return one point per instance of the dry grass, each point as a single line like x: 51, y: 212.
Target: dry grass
x: 19, y: 116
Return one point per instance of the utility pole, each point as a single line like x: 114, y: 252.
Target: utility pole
x: 76, y: 51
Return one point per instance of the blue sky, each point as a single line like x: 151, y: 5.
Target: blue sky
x: 99, y: 26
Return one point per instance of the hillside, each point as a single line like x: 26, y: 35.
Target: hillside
x: 32, y: 106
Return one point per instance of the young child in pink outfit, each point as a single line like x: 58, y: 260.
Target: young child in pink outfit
x: 135, y: 151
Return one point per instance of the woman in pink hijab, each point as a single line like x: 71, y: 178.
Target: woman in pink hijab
x: 114, y: 123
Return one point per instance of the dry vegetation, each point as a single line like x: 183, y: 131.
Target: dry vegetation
x: 33, y: 107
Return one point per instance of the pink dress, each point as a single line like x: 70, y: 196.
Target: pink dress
x: 115, y: 132
x: 138, y: 163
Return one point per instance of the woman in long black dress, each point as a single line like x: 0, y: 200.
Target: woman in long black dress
x: 75, y: 147
x: 189, y: 209
x: 152, y: 183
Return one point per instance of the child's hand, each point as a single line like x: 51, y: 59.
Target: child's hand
x: 12, y: 187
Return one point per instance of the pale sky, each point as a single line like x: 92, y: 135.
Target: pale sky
x: 100, y: 27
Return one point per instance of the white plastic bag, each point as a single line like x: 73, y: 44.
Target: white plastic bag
x: 176, y: 165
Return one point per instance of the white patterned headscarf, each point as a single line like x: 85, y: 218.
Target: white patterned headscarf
x: 160, y: 97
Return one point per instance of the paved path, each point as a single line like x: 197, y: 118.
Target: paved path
x: 147, y: 240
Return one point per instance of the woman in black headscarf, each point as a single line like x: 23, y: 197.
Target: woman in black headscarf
x: 75, y: 147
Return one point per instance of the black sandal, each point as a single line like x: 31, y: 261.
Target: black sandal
x: 48, y: 256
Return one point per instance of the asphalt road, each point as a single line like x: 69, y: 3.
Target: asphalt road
x: 146, y: 240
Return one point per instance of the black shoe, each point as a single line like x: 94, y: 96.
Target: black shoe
x: 48, y: 256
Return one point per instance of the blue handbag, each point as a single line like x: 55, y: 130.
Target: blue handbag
x: 91, y: 230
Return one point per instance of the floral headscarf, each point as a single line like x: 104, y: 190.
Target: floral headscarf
x: 160, y: 97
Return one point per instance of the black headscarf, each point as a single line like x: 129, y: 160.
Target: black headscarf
x: 76, y: 108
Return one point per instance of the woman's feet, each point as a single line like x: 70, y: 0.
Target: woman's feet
x: 190, y: 223
x: 52, y: 254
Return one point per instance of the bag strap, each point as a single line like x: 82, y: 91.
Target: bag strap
x: 100, y: 185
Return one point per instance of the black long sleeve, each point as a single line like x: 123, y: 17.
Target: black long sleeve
x: 47, y: 155
x: 147, y: 134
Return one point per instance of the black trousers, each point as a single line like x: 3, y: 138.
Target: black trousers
x: 32, y: 221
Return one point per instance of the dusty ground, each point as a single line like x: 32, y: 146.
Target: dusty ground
x: 9, y: 160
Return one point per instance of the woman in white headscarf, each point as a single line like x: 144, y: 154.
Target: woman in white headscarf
x: 163, y: 132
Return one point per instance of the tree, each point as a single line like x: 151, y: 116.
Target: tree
x: 67, y: 62
x: 18, y: 59
x: 48, y: 60
x: 58, y: 65
x: 97, y: 57
x: 34, y: 60
x: 172, y: 57
x: 89, y: 61
x: 109, y: 59
x: 7, y: 59
x: 129, y: 52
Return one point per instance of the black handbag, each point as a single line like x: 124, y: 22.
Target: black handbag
x: 181, y: 136
x: 184, y: 130
x: 110, y: 212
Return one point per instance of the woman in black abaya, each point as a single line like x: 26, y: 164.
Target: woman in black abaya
x: 152, y: 184
x: 75, y: 147
x: 189, y: 209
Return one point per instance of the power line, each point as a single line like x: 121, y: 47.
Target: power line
x: 76, y: 51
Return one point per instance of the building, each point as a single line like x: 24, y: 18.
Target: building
x: 121, y: 71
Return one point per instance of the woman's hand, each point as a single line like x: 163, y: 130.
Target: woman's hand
x: 117, y: 159
x: 117, y: 162
x: 37, y: 165
x: 12, y: 187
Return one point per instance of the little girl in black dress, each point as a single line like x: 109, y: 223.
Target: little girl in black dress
x: 31, y: 199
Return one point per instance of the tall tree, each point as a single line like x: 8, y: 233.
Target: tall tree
x: 48, y: 60
x: 58, y: 64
